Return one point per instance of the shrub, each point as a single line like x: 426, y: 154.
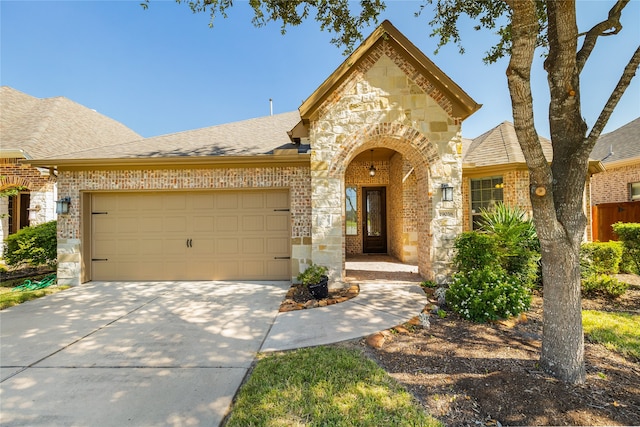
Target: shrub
x: 629, y: 234
x: 600, y: 258
x: 517, y: 241
x: 602, y: 284
x: 312, y: 275
x: 32, y: 245
x: 475, y: 250
x: 487, y: 294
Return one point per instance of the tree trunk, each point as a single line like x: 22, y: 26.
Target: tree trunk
x: 556, y: 190
x: 562, y: 340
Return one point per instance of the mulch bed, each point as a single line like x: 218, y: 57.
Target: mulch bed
x: 299, y: 298
x: 469, y: 374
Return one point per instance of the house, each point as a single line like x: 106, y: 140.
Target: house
x: 615, y: 193
x: 361, y: 167
x: 38, y: 128
x: 495, y: 171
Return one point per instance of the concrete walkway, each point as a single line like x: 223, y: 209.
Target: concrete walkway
x: 377, y: 307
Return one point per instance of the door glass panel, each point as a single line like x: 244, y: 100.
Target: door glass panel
x: 351, y: 211
x: 374, y: 217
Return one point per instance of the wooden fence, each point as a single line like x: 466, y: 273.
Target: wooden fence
x: 606, y: 214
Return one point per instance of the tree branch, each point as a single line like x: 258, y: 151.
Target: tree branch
x: 591, y: 37
x: 624, y: 82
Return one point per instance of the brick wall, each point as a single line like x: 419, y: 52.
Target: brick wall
x: 612, y: 186
x: 72, y: 183
x: 40, y: 184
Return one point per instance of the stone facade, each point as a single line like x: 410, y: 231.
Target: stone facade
x: 74, y: 183
x: 385, y: 102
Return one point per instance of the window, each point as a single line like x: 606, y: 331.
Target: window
x: 635, y: 191
x: 486, y: 193
x: 351, y: 211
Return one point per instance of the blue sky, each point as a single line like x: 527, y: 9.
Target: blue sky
x: 163, y: 70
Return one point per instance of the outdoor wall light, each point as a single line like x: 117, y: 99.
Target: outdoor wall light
x: 447, y: 192
x: 62, y: 205
x: 372, y: 169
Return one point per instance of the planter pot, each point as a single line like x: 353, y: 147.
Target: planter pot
x: 320, y: 290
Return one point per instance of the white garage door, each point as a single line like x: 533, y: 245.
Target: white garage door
x: 222, y: 235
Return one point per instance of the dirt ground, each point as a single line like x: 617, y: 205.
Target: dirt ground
x: 468, y: 374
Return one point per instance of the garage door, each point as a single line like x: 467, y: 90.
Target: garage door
x: 219, y: 235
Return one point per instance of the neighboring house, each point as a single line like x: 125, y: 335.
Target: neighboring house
x: 360, y: 168
x: 495, y: 171
x: 39, y: 128
x: 615, y: 193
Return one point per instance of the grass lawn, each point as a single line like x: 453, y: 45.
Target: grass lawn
x: 324, y: 386
x: 9, y: 297
x: 619, y: 332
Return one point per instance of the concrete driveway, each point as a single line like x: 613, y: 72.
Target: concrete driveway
x: 122, y: 353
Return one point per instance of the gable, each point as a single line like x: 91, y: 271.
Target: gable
x: 387, y: 41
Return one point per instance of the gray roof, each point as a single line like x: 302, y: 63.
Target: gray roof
x: 244, y: 138
x: 53, y: 126
x: 624, y: 142
x: 499, y: 146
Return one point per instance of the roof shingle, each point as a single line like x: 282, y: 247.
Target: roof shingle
x: 623, y: 144
x: 52, y: 126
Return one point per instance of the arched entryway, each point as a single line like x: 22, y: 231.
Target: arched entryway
x: 404, y: 160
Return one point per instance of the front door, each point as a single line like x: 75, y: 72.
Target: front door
x: 374, y: 224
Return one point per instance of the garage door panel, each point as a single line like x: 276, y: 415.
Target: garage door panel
x: 175, y: 202
x: 253, y: 201
x: 151, y: 224
x: 103, y: 224
x: 253, y: 268
x: 175, y: 224
x: 228, y: 270
x: 277, y: 223
x: 149, y: 247
x: 128, y: 225
x: 200, y: 247
x: 277, y: 246
x: 104, y: 202
x: 277, y: 268
x: 277, y: 200
x: 174, y: 246
x: 227, y: 201
x: 252, y: 223
x: 228, y: 246
x: 253, y: 245
x: 128, y: 247
x: 226, y: 224
x: 208, y: 235
x: 202, y: 201
x: 203, y: 224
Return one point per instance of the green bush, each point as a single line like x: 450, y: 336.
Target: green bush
x: 487, y: 294
x: 604, y: 285
x: 475, y: 250
x: 629, y: 234
x: 32, y: 245
x: 600, y: 258
x: 517, y: 241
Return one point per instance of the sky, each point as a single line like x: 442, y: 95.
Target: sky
x: 164, y: 70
